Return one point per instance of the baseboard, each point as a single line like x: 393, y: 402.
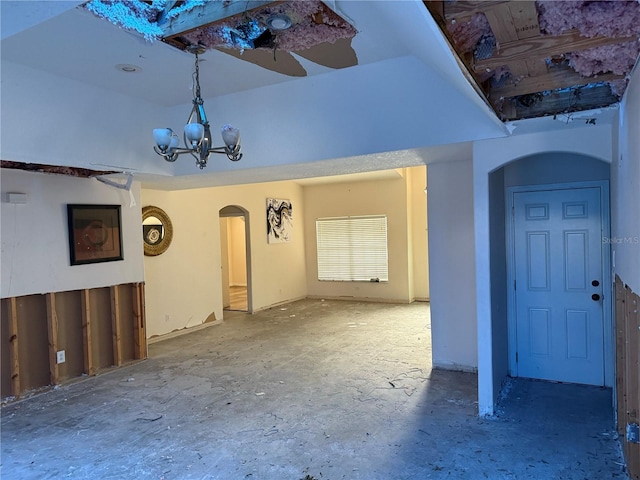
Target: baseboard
x: 183, y: 331
x: 402, y: 301
x: 455, y: 367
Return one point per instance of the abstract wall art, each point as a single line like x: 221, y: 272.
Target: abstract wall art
x: 279, y: 220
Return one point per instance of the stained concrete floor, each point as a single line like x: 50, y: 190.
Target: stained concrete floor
x: 312, y: 390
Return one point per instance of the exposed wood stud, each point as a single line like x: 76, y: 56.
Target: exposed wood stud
x: 544, y: 47
x: 13, y: 347
x: 462, y: 11
x: 525, y: 19
x: 561, y: 102
x: 627, y: 315
x: 632, y: 383
x: 52, y: 327
x: 536, y: 67
x: 620, y: 356
x: 556, y: 77
x: 519, y: 68
x: 208, y: 13
x: 115, y: 325
x: 501, y: 23
x: 86, y: 332
x: 140, y: 334
x: 436, y: 8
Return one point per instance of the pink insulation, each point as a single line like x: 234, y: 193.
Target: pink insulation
x: 615, y: 18
x: 618, y: 59
x: 466, y: 35
x: 312, y: 24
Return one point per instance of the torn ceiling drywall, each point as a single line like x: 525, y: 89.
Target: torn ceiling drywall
x: 594, y: 69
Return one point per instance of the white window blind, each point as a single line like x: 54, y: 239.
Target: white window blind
x: 352, y: 248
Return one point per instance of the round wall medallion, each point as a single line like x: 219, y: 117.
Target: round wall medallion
x: 157, y: 230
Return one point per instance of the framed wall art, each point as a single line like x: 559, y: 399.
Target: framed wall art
x: 95, y: 233
x: 279, y: 220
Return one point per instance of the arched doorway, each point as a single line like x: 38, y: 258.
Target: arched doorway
x: 235, y: 257
x: 550, y: 211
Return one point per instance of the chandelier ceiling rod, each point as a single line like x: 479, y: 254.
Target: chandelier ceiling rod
x: 197, y: 133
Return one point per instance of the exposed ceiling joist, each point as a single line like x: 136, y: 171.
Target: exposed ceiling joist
x: 208, y: 13
x: 555, y: 78
x: 462, y: 11
x: 534, y: 58
x: 560, y: 102
x: 54, y: 169
x: 544, y: 47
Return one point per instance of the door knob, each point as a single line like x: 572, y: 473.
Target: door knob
x: 595, y: 297
x: 595, y: 283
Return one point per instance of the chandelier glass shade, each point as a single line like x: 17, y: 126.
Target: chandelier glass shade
x: 197, y: 133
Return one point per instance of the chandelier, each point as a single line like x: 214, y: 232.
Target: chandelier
x: 197, y: 134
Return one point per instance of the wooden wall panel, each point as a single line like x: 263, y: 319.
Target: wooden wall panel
x: 5, y: 357
x: 620, y: 356
x: 33, y: 342
x: 101, y: 327
x: 628, y: 370
x: 127, y: 319
x: 96, y: 328
x: 69, y: 309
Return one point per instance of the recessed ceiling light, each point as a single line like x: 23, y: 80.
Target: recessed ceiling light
x: 278, y: 22
x: 127, y: 68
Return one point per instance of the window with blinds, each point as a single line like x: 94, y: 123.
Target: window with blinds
x: 352, y: 249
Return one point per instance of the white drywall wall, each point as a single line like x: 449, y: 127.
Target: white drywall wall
x: 35, y: 240
x: 488, y: 155
x: 53, y: 120
x: 451, y: 264
x: 625, y: 191
x: 372, y: 108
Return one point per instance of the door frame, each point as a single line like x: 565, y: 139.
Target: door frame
x: 607, y: 286
x: 237, y: 211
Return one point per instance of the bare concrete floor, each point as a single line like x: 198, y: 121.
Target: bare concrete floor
x: 313, y: 390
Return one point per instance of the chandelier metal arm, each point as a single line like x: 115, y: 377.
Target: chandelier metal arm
x: 172, y: 154
x: 198, y: 141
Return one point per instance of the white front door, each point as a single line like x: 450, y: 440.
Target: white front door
x: 558, y: 273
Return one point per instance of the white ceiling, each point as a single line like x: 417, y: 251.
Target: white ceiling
x: 76, y: 44
x: 62, y: 39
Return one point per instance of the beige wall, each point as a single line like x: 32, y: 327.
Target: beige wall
x: 394, y: 198
x: 184, y: 285
x: 417, y: 200
x: 237, y: 252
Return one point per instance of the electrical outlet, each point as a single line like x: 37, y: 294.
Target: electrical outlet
x: 60, y: 356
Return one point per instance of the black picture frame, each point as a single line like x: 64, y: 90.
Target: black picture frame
x: 95, y: 233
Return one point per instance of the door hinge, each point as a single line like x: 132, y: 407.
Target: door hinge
x: 514, y: 284
x: 516, y: 357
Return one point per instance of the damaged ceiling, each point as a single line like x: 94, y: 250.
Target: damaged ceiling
x: 264, y: 33
x: 547, y: 57
x: 527, y: 58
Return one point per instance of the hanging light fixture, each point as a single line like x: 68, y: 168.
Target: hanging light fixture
x: 197, y: 134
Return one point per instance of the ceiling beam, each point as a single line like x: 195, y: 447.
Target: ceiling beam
x: 208, y: 13
x: 543, y: 47
x: 462, y: 11
x: 556, y: 77
x: 564, y: 102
